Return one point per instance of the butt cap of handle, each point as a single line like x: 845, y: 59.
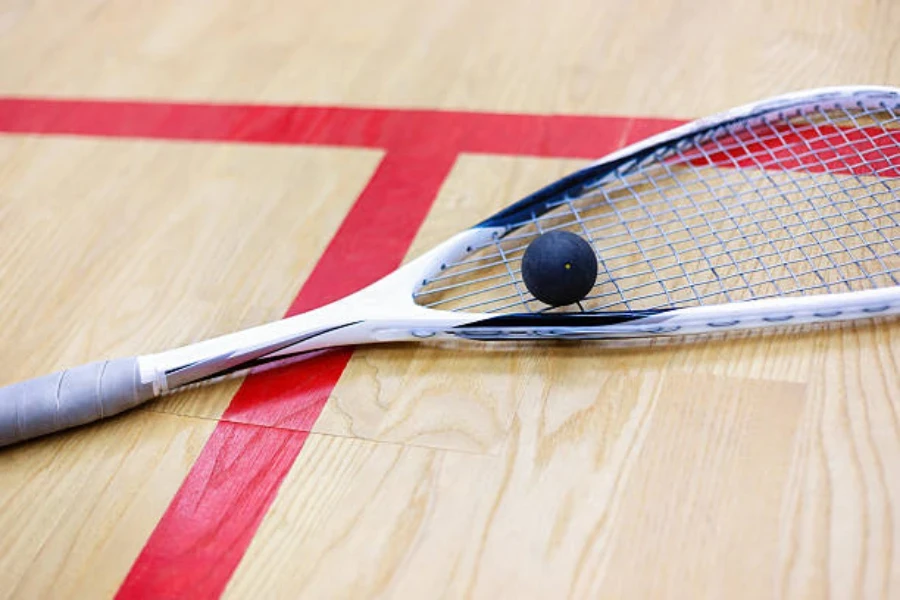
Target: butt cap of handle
x: 69, y: 398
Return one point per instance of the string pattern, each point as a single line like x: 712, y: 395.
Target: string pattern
x: 792, y: 203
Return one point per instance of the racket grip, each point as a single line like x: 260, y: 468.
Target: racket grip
x: 69, y: 398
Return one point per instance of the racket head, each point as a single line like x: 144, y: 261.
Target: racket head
x: 779, y: 201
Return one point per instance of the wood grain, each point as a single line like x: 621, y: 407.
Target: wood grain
x: 767, y: 466
x: 843, y: 532
x: 460, y: 395
x: 132, y: 247
x: 631, y: 488
x: 661, y: 57
x: 457, y: 396
x: 76, y: 508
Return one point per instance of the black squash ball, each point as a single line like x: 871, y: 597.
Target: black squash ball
x: 559, y: 268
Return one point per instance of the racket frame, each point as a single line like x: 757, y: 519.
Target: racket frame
x: 386, y: 311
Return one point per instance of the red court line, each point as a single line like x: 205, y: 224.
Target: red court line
x: 206, y: 529
x: 411, y: 130
x: 210, y: 522
x: 370, y: 243
x: 829, y: 149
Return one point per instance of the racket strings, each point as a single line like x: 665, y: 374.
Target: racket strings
x: 732, y: 230
x: 761, y: 185
x: 759, y: 215
x: 777, y: 236
x: 797, y: 204
x: 651, y: 279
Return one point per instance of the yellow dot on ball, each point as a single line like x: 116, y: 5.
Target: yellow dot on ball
x: 568, y: 266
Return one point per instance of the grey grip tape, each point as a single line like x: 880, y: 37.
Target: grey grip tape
x: 69, y: 398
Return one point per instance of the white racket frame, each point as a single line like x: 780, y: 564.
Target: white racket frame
x: 386, y: 312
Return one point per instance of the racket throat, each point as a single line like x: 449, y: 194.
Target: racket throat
x: 283, y: 341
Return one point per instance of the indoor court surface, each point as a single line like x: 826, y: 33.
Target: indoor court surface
x: 178, y: 169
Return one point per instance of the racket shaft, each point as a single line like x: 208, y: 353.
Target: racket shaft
x: 69, y: 398
x: 91, y: 392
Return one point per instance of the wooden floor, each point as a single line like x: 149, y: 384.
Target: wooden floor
x: 751, y: 468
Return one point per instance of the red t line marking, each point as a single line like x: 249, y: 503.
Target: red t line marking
x: 206, y: 529
x: 213, y: 517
